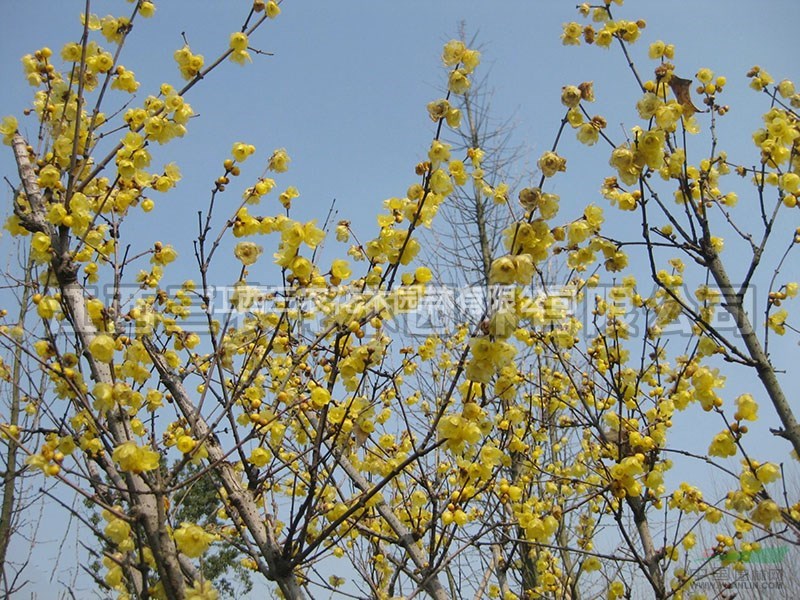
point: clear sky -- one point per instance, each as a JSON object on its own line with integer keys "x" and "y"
{"x": 346, "y": 88}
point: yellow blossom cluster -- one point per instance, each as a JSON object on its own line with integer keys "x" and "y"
{"x": 536, "y": 420}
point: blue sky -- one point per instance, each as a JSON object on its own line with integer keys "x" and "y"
{"x": 346, "y": 88}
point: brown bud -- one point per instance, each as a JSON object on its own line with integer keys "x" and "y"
{"x": 587, "y": 91}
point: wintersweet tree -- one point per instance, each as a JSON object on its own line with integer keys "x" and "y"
{"x": 527, "y": 448}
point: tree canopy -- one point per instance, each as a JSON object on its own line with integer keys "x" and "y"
{"x": 484, "y": 395}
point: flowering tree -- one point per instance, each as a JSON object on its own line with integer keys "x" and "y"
{"x": 522, "y": 449}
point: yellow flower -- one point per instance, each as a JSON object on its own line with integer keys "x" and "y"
{"x": 453, "y": 52}
{"x": 651, "y": 146}
{"x": 273, "y": 10}
{"x": 768, "y": 472}
{"x": 592, "y": 564}
{"x": 458, "y": 431}
{"x": 588, "y": 134}
{"x": 340, "y": 269}
{"x": 440, "y": 183}
{"x": 260, "y": 457}
{"x": 241, "y": 151}
{"x": 648, "y": 104}
{"x": 131, "y": 457}
{"x": 622, "y": 159}
{"x": 705, "y": 75}
{"x": 438, "y": 109}
{"x": 790, "y": 182}
{"x": 8, "y": 127}
{"x": 163, "y": 255}
{"x": 458, "y": 171}
{"x": 503, "y": 271}
{"x": 114, "y": 576}
{"x": 575, "y": 117}
{"x": 43, "y": 348}
{"x": 117, "y": 531}
{"x": 578, "y": 231}
{"x": 453, "y": 118}
{"x": 656, "y": 49}
{"x": 240, "y": 56}
{"x": 538, "y": 529}
{"x": 530, "y": 198}
{"x": 264, "y": 186}
{"x": 247, "y": 252}
{"x": 523, "y": 264}
{"x": 777, "y": 321}
{"x": 470, "y": 60}
{"x": 189, "y": 64}
{"x": 47, "y": 307}
{"x": 570, "y": 96}
{"x": 572, "y": 33}
{"x": 746, "y": 408}
{"x": 185, "y": 444}
{"x": 125, "y": 80}
{"x": 49, "y": 176}
{"x": 439, "y": 152}
{"x": 71, "y": 52}
{"x": 458, "y": 82}
{"x": 423, "y": 275}
{"x": 279, "y": 161}
{"x": 102, "y": 348}
{"x": 103, "y": 397}
{"x": 113, "y": 29}
{"x": 766, "y": 512}
{"x": 320, "y": 397}
{"x": 301, "y": 267}
{"x": 238, "y": 41}
{"x": 723, "y": 445}
{"x": 201, "y": 591}
{"x": 192, "y": 539}
{"x": 286, "y": 197}
{"x": 551, "y": 163}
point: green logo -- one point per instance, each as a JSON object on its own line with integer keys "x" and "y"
{"x": 762, "y": 556}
